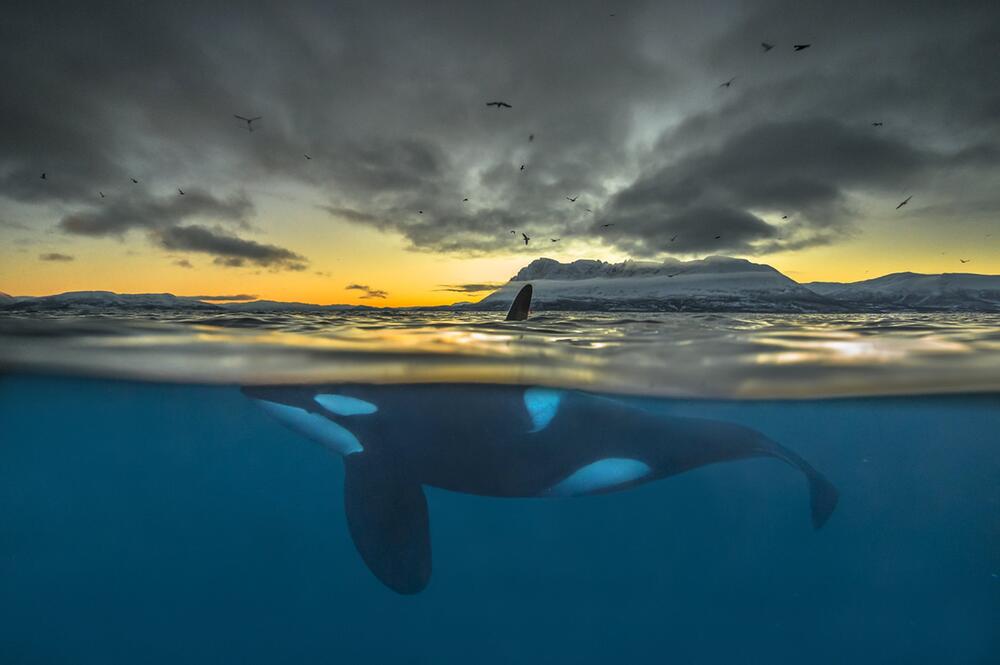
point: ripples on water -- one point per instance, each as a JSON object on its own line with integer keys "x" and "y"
{"x": 709, "y": 355}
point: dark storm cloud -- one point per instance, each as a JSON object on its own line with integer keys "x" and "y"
{"x": 367, "y": 290}
{"x": 229, "y": 250}
{"x": 55, "y": 256}
{"x": 388, "y": 100}
{"x": 468, "y": 288}
{"x": 119, "y": 215}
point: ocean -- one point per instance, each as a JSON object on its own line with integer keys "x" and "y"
{"x": 157, "y": 509}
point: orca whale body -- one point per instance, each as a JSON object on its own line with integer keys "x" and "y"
{"x": 504, "y": 441}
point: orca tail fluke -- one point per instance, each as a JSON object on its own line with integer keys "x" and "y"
{"x": 823, "y": 496}
{"x": 521, "y": 306}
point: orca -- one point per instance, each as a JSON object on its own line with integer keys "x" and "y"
{"x": 496, "y": 441}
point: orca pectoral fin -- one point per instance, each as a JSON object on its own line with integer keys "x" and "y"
{"x": 388, "y": 520}
{"x": 823, "y": 496}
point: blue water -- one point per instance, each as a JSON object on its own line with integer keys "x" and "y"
{"x": 154, "y": 523}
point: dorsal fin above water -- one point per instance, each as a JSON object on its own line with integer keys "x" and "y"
{"x": 521, "y": 306}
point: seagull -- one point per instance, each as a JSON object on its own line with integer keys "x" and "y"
{"x": 420, "y": 212}
{"x": 522, "y": 167}
{"x": 500, "y": 105}
{"x": 905, "y": 201}
{"x": 306, "y": 156}
{"x": 513, "y": 233}
{"x": 43, "y": 176}
{"x": 249, "y": 121}
{"x": 134, "y": 181}
{"x": 465, "y": 200}
{"x": 102, "y": 194}
{"x": 673, "y": 238}
{"x": 727, "y": 83}
{"x": 588, "y": 210}
{"x": 877, "y": 123}
{"x": 767, "y": 47}
{"x": 784, "y": 216}
{"x": 526, "y": 238}
{"x": 180, "y": 191}
{"x": 573, "y": 200}
{"x": 964, "y": 260}
{"x": 801, "y": 47}
{"x": 604, "y": 226}
{"x": 555, "y": 239}
{"x": 717, "y": 237}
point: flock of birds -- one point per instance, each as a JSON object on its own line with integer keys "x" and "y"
{"x": 500, "y": 105}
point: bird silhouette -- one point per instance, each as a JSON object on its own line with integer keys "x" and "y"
{"x": 877, "y": 123}
{"x": 522, "y": 167}
{"x": 555, "y": 239}
{"x": 526, "y": 238}
{"x": 464, "y": 200}
{"x": 784, "y": 216}
{"x": 102, "y": 194}
{"x": 588, "y": 210}
{"x": 249, "y": 121}
{"x": 500, "y": 105}
{"x": 306, "y": 156}
{"x": 904, "y": 202}
{"x": 43, "y": 177}
{"x": 420, "y": 212}
{"x": 531, "y": 137}
{"x": 673, "y": 238}
{"x": 801, "y": 47}
{"x": 965, "y": 260}
{"x": 573, "y": 200}
{"x": 513, "y": 233}
{"x": 728, "y": 83}
{"x": 604, "y": 226}
{"x": 134, "y": 181}
{"x": 766, "y": 47}
{"x": 718, "y": 237}
{"x": 180, "y": 191}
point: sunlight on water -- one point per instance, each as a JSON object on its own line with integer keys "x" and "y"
{"x": 708, "y": 355}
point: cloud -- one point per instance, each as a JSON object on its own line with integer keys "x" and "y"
{"x": 55, "y": 256}
{"x": 240, "y": 296}
{"x": 368, "y": 291}
{"x": 229, "y": 250}
{"x": 468, "y": 288}
{"x": 183, "y": 263}
{"x": 120, "y": 215}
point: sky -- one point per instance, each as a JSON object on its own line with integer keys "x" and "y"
{"x": 377, "y": 173}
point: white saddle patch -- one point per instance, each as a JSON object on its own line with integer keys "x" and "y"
{"x": 313, "y": 426}
{"x": 600, "y": 475}
{"x": 341, "y": 405}
{"x": 542, "y": 405}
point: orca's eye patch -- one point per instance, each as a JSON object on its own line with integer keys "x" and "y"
{"x": 341, "y": 405}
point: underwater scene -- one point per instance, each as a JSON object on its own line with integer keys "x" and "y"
{"x": 257, "y": 491}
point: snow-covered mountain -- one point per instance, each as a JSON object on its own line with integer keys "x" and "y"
{"x": 105, "y": 300}
{"x": 911, "y": 291}
{"x": 713, "y": 284}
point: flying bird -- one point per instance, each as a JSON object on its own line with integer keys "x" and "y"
{"x": 728, "y": 83}
{"x": 43, "y": 177}
{"x": 673, "y": 238}
{"x": 801, "y": 47}
{"x": 134, "y": 181}
{"x": 522, "y": 167}
{"x": 766, "y": 47}
{"x": 718, "y": 237}
{"x": 904, "y": 202}
{"x": 604, "y": 226}
{"x": 877, "y": 123}
{"x": 464, "y": 200}
{"x": 531, "y": 137}
{"x": 180, "y": 191}
{"x": 306, "y": 156}
{"x": 526, "y": 238}
{"x": 102, "y": 194}
{"x": 784, "y": 216}
{"x": 513, "y": 233}
{"x": 965, "y": 260}
{"x": 588, "y": 210}
{"x": 420, "y": 212}
{"x": 573, "y": 200}
{"x": 555, "y": 239}
{"x": 500, "y": 105}
{"x": 249, "y": 121}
